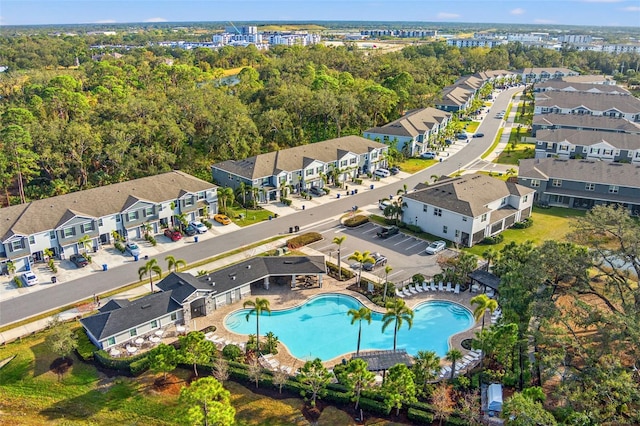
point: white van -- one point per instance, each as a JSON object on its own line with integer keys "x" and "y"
{"x": 382, "y": 173}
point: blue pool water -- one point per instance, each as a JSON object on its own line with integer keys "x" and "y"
{"x": 321, "y": 327}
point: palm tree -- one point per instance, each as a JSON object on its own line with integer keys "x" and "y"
{"x": 359, "y": 315}
{"x": 255, "y": 193}
{"x": 147, "y": 228}
{"x": 387, "y": 269}
{"x": 483, "y": 303}
{"x": 257, "y": 306}
{"x": 426, "y": 367}
{"x": 338, "y": 241}
{"x": 225, "y": 194}
{"x": 242, "y": 193}
{"x": 85, "y": 242}
{"x": 402, "y": 190}
{"x": 150, "y": 268}
{"x": 489, "y": 255}
{"x": 361, "y": 259}
{"x": 175, "y": 264}
{"x": 397, "y": 313}
{"x": 454, "y": 355}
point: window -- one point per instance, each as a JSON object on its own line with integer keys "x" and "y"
{"x": 117, "y": 218}
{"x": 353, "y": 161}
{"x": 483, "y": 218}
{"x": 526, "y": 197}
{"x": 590, "y": 186}
{"x": 32, "y": 239}
{"x": 188, "y": 202}
{"x": 154, "y": 324}
{"x": 131, "y": 216}
{"x": 133, "y": 332}
{"x": 613, "y": 189}
{"x": 69, "y": 232}
{"x": 457, "y": 233}
{"x": 174, "y": 316}
{"x": 111, "y": 341}
{"x": 564, "y": 148}
{"x": 556, "y": 183}
{"x": 504, "y": 201}
{"x": 319, "y": 170}
{"x": 445, "y": 228}
{"x": 535, "y": 183}
{"x": 86, "y": 227}
{"x": 201, "y": 195}
{"x": 464, "y": 218}
{"x": 52, "y": 235}
{"x": 17, "y": 245}
{"x": 308, "y": 172}
{"x": 424, "y": 208}
{"x": 100, "y": 222}
{"x": 437, "y": 212}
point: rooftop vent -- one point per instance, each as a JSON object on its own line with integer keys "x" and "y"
{"x": 208, "y": 278}
{"x": 233, "y": 278}
{"x": 248, "y": 266}
{"x": 145, "y": 306}
{"x": 213, "y": 284}
{"x": 288, "y": 262}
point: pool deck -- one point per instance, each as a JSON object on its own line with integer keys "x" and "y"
{"x": 283, "y": 297}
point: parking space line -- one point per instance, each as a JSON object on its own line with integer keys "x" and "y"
{"x": 402, "y": 241}
{"x": 371, "y": 230}
{"x": 325, "y": 247}
{"x": 396, "y": 273}
{"x": 416, "y": 244}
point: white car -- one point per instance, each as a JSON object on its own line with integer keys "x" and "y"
{"x": 200, "y": 227}
{"x": 383, "y": 204}
{"x": 382, "y": 173}
{"x": 435, "y": 247}
{"x": 29, "y": 278}
{"x": 428, "y": 155}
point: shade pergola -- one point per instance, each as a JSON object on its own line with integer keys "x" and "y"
{"x": 384, "y": 360}
{"x": 485, "y": 279}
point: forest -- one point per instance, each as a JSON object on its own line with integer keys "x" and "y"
{"x": 74, "y": 117}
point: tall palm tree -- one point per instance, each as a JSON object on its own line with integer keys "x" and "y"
{"x": 454, "y": 355}
{"x": 426, "y": 367}
{"x": 483, "y": 303}
{"x": 225, "y": 195}
{"x": 338, "y": 241}
{"x": 85, "y": 242}
{"x": 387, "y": 269}
{"x": 241, "y": 192}
{"x": 489, "y": 255}
{"x": 361, "y": 259}
{"x": 397, "y": 313}
{"x": 402, "y": 190}
{"x": 258, "y": 306}
{"x": 150, "y": 268}
{"x": 175, "y": 264}
{"x": 359, "y": 315}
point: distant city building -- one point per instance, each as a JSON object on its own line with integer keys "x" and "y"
{"x": 476, "y": 42}
{"x": 400, "y": 33}
{"x": 575, "y": 38}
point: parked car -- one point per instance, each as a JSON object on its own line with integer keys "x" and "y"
{"x": 380, "y": 260}
{"x": 430, "y": 155}
{"x": 29, "y": 278}
{"x": 172, "y": 234}
{"x": 394, "y": 170}
{"x": 79, "y": 260}
{"x": 132, "y": 248}
{"x": 317, "y": 191}
{"x": 448, "y": 142}
{"x": 478, "y": 135}
{"x": 382, "y": 173}
{"x": 190, "y": 231}
{"x": 388, "y": 231}
{"x": 200, "y": 227}
{"x": 382, "y": 204}
{"x": 436, "y": 247}
{"x": 461, "y": 136}
{"x": 220, "y": 218}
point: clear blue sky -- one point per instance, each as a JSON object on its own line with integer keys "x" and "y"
{"x": 556, "y": 12}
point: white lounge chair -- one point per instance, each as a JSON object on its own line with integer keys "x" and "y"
{"x": 412, "y": 289}
{"x": 419, "y": 288}
{"x": 399, "y": 293}
{"x": 425, "y": 286}
{"x": 432, "y": 286}
{"x": 407, "y": 292}
{"x": 457, "y": 289}
{"x": 449, "y": 289}
{"x": 440, "y": 285}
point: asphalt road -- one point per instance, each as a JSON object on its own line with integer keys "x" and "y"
{"x": 63, "y": 294}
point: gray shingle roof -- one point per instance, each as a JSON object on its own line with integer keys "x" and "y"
{"x": 549, "y": 70}
{"x": 49, "y": 213}
{"x": 412, "y": 124}
{"x": 558, "y": 84}
{"x": 454, "y": 95}
{"x": 604, "y": 172}
{"x": 586, "y": 78}
{"x": 292, "y": 159}
{"x": 133, "y": 314}
{"x": 468, "y": 195}
{"x": 587, "y": 122}
{"x": 592, "y": 101}
{"x": 590, "y": 137}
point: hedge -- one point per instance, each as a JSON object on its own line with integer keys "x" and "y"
{"x": 523, "y": 224}
{"x": 376, "y": 407}
{"x": 121, "y": 364}
{"x": 419, "y": 416}
{"x": 285, "y": 201}
{"x": 303, "y": 240}
{"x": 354, "y": 221}
{"x": 337, "y": 397}
{"x": 85, "y": 348}
{"x": 346, "y": 273}
{"x": 139, "y": 366}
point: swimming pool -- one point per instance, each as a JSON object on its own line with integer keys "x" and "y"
{"x": 321, "y": 327}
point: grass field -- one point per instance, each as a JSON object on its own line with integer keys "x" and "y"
{"x": 249, "y": 216}
{"x": 413, "y": 165}
{"x": 522, "y": 150}
{"x": 548, "y": 224}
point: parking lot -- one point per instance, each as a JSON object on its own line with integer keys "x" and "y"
{"x": 405, "y": 253}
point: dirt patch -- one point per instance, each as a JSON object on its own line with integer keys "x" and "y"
{"x": 170, "y": 385}
{"x": 60, "y": 366}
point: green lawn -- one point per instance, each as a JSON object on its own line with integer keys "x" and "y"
{"x": 548, "y": 224}
{"x": 472, "y": 126}
{"x": 413, "y": 165}
{"x": 245, "y": 217}
{"x": 522, "y": 150}
{"x": 495, "y": 143}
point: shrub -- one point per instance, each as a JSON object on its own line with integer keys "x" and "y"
{"x": 285, "y": 201}
{"x": 303, "y": 240}
{"x": 119, "y": 246}
{"x": 139, "y": 366}
{"x": 123, "y": 365}
{"x": 153, "y": 241}
{"x": 84, "y": 348}
{"x": 326, "y": 190}
{"x": 17, "y": 281}
{"x": 333, "y": 270}
{"x": 354, "y": 221}
{"x": 375, "y": 407}
{"x": 523, "y": 224}
{"x": 357, "y": 181}
{"x": 337, "y": 397}
{"x": 414, "y": 228}
{"x": 419, "y": 416}
{"x": 232, "y": 353}
{"x": 496, "y": 239}
{"x": 208, "y": 224}
{"x": 51, "y": 264}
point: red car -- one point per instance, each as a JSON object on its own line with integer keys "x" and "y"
{"x": 174, "y": 235}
